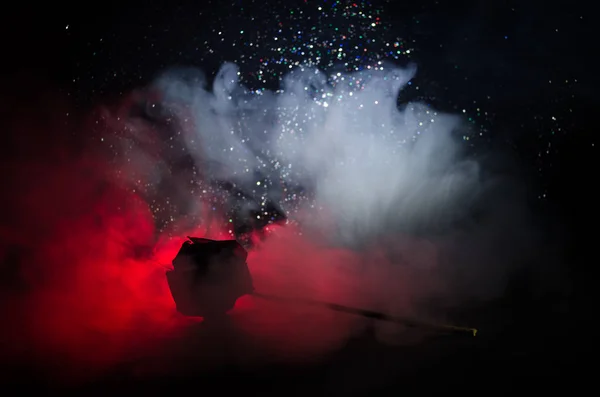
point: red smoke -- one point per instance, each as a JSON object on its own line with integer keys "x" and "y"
{"x": 89, "y": 282}
{"x": 84, "y": 285}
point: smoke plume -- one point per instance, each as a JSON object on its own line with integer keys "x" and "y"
{"x": 385, "y": 211}
{"x": 370, "y": 171}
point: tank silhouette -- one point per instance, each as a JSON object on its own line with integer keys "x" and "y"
{"x": 209, "y": 276}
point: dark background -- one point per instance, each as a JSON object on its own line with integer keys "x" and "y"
{"x": 530, "y": 65}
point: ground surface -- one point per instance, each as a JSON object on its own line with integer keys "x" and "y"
{"x": 514, "y": 352}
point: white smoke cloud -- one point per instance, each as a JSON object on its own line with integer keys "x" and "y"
{"x": 424, "y": 221}
{"x": 368, "y": 163}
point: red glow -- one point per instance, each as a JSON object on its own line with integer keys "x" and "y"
{"x": 85, "y": 282}
{"x": 92, "y": 294}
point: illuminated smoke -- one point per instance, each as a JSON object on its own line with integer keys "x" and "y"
{"x": 386, "y": 213}
{"x": 367, "y": 164}
{"x": 353, "y": 169}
